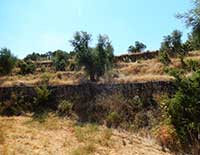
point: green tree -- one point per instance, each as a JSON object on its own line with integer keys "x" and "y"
{"x": 172, "y": 44}
{"x": 60, "y": 60}
{"x": 96, "y": 61}
{"x": 33, "y": 57}
{"x": 7, "y": 61}
{"x": 139, "y": 47}
{"x": 192, "y": 19}
{"x": 105, "y": 54}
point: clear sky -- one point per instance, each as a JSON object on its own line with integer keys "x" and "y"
{"x": 28, "y": 26}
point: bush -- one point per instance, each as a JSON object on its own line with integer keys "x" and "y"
{"x": 113, "y": 119}
{"x": 60, "y": 60}
{"x": 167, "y": 137}
{"x": 7, "y": 61}
{"x": 164, "y": 58}
{"x": 115, "y": 109}
{"x": 16, "y": 105}
{"x": 141, "y": 120}
{"x": 45, "y": 78}
{"x": 42, "y": 95}
{"x": 184, "y": 108}
{"x": 27, "y": 67}
{"x": 192, "y": 65}
{"x": 65, "y": 108}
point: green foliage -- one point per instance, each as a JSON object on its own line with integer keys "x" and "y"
{"x": 96, "y": 61}
{"x": 113, "y": 119}
{"x": 32, "y": 57}
{"x": 192, "y": 19}
{"x": 42, "y": 94}
{"x": 172, "y": 44}
{"x": 7, "y": 61}
{"x": 38, "y": 57}
{"x": 45, "y": 79}
{"x": 65, "y": 108}
{"x": 164, "y": 58}
{"x": 60, "y": 60}
{"x": 27, "y": 67}
{"x": 41, "y": 103}
{"x": 192, "y": 65}
{"x": 177, "y": 73}
{"x": 139, "y": 47}
{"x": 184, "y": 108}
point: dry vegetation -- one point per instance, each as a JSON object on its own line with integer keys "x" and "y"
{"x": 142, "y": 70}
{"x": 24, "y": 136}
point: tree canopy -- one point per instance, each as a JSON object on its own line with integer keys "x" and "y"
{"x": 192, "y": 19}
{"x": 96, "y": 61}
{"x": 139, "y": 47}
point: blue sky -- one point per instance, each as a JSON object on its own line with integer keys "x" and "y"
{"x": 46, "y": 25}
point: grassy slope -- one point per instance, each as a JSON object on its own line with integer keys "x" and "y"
{"x": 22, "y": 135}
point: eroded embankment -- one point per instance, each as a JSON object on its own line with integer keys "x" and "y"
{"x": 89, "y": 91}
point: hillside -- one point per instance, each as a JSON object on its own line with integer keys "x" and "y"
{"x": 24, "y": 136}
{"x": 123, "y": 72}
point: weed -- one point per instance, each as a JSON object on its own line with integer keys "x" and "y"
{"x": 65, "y": 108}
{"x": 113, "y": 119}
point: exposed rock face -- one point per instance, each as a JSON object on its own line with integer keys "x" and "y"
{"x": 136, "y": 56}
{"x": 89, "y": 91}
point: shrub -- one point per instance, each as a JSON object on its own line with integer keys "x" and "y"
{"x": 16, "y": 105}
{"x": 7, "y": 61}
{"x": 167, "y": 137}
{"x": 114, "y": 108}
{"x": 27, "y": 67}
{"x": 65, "y": 108}
{"x": 177, "y": 73}
{"x": 42, "y": 95}
{"x": 45, "y": 78}
{"x": 184, "y": 108}
{"x": 164, "y": 58}
{"x": 41, "y": 101}
{"x": 113, "y": 119}
{"x": 192, "y": 65}
{"x": 141, "y": 120}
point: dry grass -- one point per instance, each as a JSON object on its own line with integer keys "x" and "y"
{"x": 23, "y": 136}
{"x": 142, "y": 70}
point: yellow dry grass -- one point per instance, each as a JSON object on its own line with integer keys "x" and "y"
{"x": 56, "y": 136}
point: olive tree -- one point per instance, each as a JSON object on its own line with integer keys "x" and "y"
{"x": 192, "y": 19}
{"x": 139, "y": 47}
{"x": 96, "y": 61}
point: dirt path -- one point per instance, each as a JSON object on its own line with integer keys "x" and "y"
{"x": 22, "y": 136}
